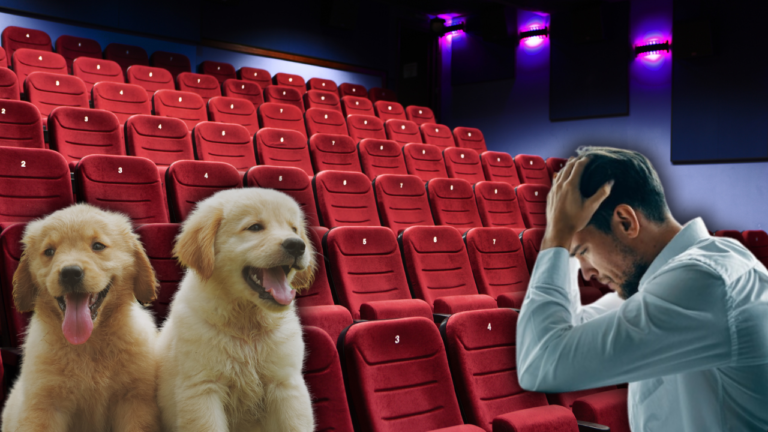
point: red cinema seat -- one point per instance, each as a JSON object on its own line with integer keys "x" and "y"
{"x": 333, "y": 319}
{"x": 424, "y": 161}
{"x": 498, "y": 263}
{"x": 218, "y": 70}
{"x": 532, "y": 199}
{"x": 35, "y": 183}
{"x": 402, "y": 201}
{"x": 186, "y": 106}
{"x": 289, "y": 180}
{"x": 438, "y": 270}
{"x": 376, "y": 94}
{"x": 333, "y": 152}
{"x": 174, "y": 63}
{"x": 189, "y": 182}
{"x": 244, "y": 90}
{"x": 379, "y": 157}
{"x": 282, "y": 116}
{"x": 150, "y": 79}
{"x": 757, "y": 243}
{"x": 27, "y": 61}
{"x": 158, "y": 240}
{"x": 20, "y": 125}
{"x": 500, "y": 167}
{"x": 78, "y": 132}
{"x": 349, "y": 89}
{"x": 353, "y": 105}
{"x": 532, "y": 169}
{"x": 453, "y": 203}
{"x": 420, "y": 115}
{"x": 124, "y": 100}
{"x": 325, "y": 121}
{"x": 92, "y": 70}
{"x": 125, "y": 184}
{"x": 284, "y": 147}
{"x": 497, "y": 205}
{"x": 9, "y": 85}
{"x": 162, "y": 140}
{"x": 72, "y": 47}
{"x": 464, "y": 164}
{"x": 3, "y": 58}
{"x": 345, "y": 199}
{"x": 204, "y": 85}
{"x": 361, "y": 127}
{"x": 284, "y": 95}
{"x": 319, "y": 294}
{"x": 259, "y": 76}
{"x": 403, "y": 131}
{"x": 47, "y": 91}
{"x": 234, "y": 110}
{"x": 387, "y": 110}
{"x": 322, "y": 374}
{"x": 19, "y": 37}
{"x": 224, "y": 142}
{"x": 322, "y": 99}
{"x": 531, "y": 241}
{"x": 466, "y": 137}
{"x": 15, "y": 325}
{"x": 555, "y": 165}
{"x": 126, "y": 55}
{"x": 322, "y": 85}
{"x": 437, "y": 134}
{"x": 734, "y": 234}
{"x": 368, "y": 275}
{"x": 398, "y": 377}
{"x": 295, "y": 82}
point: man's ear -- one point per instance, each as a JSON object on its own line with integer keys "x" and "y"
{"x": 626, "y": 220}
{"x": 303, "y": 279}
{"x": 145, "y": 283}
{"x": 24, "y": 288}
{"x": 195, "y": 245}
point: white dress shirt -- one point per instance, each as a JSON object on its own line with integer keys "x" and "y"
{"x": 692, "y": 342}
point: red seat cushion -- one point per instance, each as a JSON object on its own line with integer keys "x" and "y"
{"x": 462, "y": 303}
{"x": 607, "y": 408}
{"x": 540, "y": 419}
{"x": 333, "y": 319}
{"x": 289, "y": 180}
{"x": 394, "y": 309}
{"x": 402, "y": 201}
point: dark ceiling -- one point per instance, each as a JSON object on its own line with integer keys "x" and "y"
{"x": 468, "y": 7}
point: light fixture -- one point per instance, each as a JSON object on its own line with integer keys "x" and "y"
{"x": 438, "y": 26}
{"x": 534, "y": 31}
{"x": 652, "y": 48}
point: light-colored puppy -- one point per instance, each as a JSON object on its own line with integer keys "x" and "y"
{"x": 231, "y": 349}
{"x": 89, "y": 352}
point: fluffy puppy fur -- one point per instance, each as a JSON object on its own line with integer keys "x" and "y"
{"x": 88, "y": 356}
{"x": 231, "y": 350}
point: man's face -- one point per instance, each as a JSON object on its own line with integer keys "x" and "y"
{"x": 613, "y": 263}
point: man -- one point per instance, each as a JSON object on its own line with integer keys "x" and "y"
{"x": 691, "y": 337}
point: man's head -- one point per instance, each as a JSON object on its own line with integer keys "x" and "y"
{"x": 630, "y": 227}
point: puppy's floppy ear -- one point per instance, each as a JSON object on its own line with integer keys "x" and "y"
{"x": 145, "y": 283}
{"x": 303, "y": 279}
{"x": 195, "y": 245}
{"x": 24, "y": 288}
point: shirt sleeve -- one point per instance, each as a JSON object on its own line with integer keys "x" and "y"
{"x": 676, "y": 323}
{"x": 583, "y": 313}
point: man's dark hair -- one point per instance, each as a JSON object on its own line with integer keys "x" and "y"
{"x": 636, "y": 184}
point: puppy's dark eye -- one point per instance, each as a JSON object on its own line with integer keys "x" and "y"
{"x": 295, "y": 230}
{"x": 98, "y": 246}
{"x": 49, "y": 252}
{"x": 255, "y": 227}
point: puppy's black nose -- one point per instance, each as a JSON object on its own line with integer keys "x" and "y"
{"x": 294, "y": 246}
{"x": 71, "y": 275}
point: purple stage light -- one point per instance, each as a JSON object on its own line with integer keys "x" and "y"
{"x": 534, "y": 35}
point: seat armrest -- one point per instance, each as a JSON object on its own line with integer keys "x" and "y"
{"x": 460, "y": 303}
{"x": 392, "y": 309}
{"x": 585, "y": 426}
{"x": 439, "y": 318}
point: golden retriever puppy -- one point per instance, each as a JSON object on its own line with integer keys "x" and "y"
{"x": 231, "y": 350}
{"x": 89, "y": 362}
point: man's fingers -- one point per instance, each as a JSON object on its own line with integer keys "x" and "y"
{"x": 564, "y": 173}
{"x": 595, "y": 200}
{"x": 578, "y": 168}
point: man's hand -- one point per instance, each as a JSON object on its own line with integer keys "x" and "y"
{"x": 567, "y": 210}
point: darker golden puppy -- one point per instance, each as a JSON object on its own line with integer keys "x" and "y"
{"x": 89, "y": 363}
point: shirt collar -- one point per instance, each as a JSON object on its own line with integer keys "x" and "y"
{"x": 691, "y": 233}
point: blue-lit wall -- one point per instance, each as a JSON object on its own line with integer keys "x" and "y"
{"x": 514, "y": 116}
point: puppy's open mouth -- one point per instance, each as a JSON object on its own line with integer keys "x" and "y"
{"x": 270, "y": 284}
{"x": 80, "y": 311}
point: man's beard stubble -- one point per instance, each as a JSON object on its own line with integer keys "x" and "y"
{"x": 633, "y": 274}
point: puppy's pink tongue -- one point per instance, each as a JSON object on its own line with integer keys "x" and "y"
{"x": 276, "y": 284}
{"x": 78, "y": 325}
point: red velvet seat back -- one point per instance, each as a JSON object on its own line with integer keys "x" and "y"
{"x": 345, "y": 199}
{"x": 366, "y": 266}
{"x": 174, "y": 63}
{"x": 243, "y": 89}
{"x": 92, "y": 71}
{"x": 531, "y": 241}
{"x": 163, "y": 140}
{"x": 289, "y": 180}
{"x": 150, "y": 79}
{"x": 220, "y": 71}
{"x": 555, "y": 164}
{"x": 353, "y": 105}
{"x": 322, "y": 99}
{"x": 281, "y": 116}
{"x": 322, "y": 84}
{"x": 532, "y": 169}
{"x": 284, "y": 147}
{"x": 532, "y": 199}
{"x": 124, "y": 100}
{"x": 349, "y": 89}
{"x": 47, "y": 91}
{"x": 234, "y": 110}
{"x": 126, "y": 55}
{"x": 72, "y": 47}
{"x": 497, "y": 205}
{"x": 379, "y": 157}
{"x": 376, "y": 94}
{"x": 259, "y": 76}
{"x": 27, "y": 61}
{"x": 295, "y": 82}
{"x": 284, "y": 95}
{"x": 398, "y": 376}
{"x": 206, "y": 86}
{"x": 387, "y": 110}
{"x": 466, "y": 137}
{"x": 189, "y": 182}
{"x": 498, "y": 261}
{"x": 224, "y": 142}
{"x": 500, "y": 167}
{"x": 3, "y": 58}
{"x": 424, "y": 161}
{"x": 420, "y": 114}
{"x": 453, "y": 203}
{"x": 9, "y": 84}
{"x": 757, "y": 242}
{"x": 437, "y": 134}
{"x": 158, "y": 240}
{"x": 78, "y": 132}
{"x": 126, "y": 184}
{"x": 319, "y": 294}
{"x": 20, "y": 124}
{"x": 361, "y": 127}
{"x": 186, "y": 106}
{"x": 402, "y": 201}
{"x": 19, "y": 37}
{"x": 464, "y": 164}
{"x": 403, "y": 131}
{"x": 15, "y": 325}
{"x": 334, "y": 152}
{"x": 325, "y": 121}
